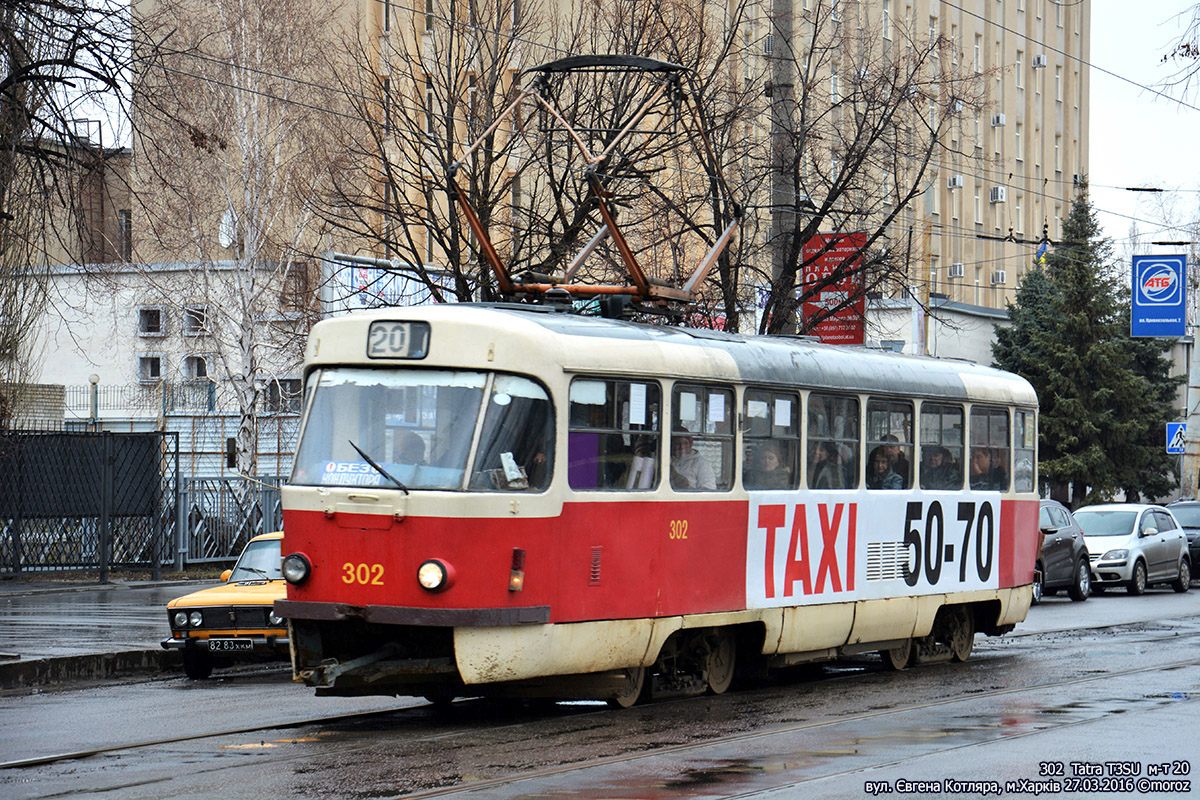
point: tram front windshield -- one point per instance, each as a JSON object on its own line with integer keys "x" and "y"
{"x": 417, "y": 429}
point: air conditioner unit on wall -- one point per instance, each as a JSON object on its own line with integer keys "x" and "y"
{"x": 999, "y": 194}
{"x": 954, "y": 182}
{"x": 1039, "y": 61}
{"x": 997, "y": 120}
{"x": 955, "y": 271}
{"x": 999, "y": 276}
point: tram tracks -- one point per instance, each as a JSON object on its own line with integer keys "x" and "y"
{"x": 566, "y": 769}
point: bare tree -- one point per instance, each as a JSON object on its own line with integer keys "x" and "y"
{"x": 233, "y": 146}
{"x": 858, "y": 116}
{"x": 59, "y": 56}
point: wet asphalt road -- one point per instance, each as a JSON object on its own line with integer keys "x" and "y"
{"x": 1113, "y": 679}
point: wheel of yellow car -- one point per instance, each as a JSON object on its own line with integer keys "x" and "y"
{"x": 197, "y": 664}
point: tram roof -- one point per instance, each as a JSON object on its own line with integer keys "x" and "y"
{"x": 764, "y": 360}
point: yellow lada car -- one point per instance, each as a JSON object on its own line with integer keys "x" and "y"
{"x": 236, "y": 620}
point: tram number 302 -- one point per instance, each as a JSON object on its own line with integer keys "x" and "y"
{"x": 931, "y": 550}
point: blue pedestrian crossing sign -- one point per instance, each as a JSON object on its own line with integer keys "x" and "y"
{"x": 1175, "y": 434}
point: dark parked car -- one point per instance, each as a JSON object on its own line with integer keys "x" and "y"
{"x": 1187, "y": 513}
{"x": 1064, "y": 562}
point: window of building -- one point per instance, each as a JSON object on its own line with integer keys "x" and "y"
{"x": 195, "y": 320}
{"x": 889, "y": 444}
{"x": 429, "y": 106}
{"x": 151, "y": 367}
{"x": 835, "y": 80}
{"x": 1020, "y": 69}
{"x": 833, "y": 444}
{"x": 1058, "y": 84}
{"x": 701, "y": 438}
{"x": 978, "y": 205}
{"x": 1020, "y": 145}
{"x": 429, "y": 14}
{"x": 387, "y": 104}
{"x": 941, "y": 446}
{"x": 297, "y": 294}
{"x": 1058, "y": 153}
{"x": 933, "y": 34}
{"x": 284, "y": 396}
{"x": 978, "y": 59}
{"x": 1020, "y": 219}
{"x": 887, "y": 19}
{"x": 613, "y": 438}
{"x": 150, "y": 321}
{"x": 195, "y": 367}
{"x": 953, "y": 44}
{"x": 989, "y": 449}
{"x": 772, "y": 440}
{"x": 387, "y": 15}
{"x": 125, "y": 235}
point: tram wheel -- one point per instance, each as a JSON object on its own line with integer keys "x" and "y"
{"x": 962, "y": 634}
{"x": 719, "y": 662}
{"x": 635, "y": 678}
{"x": 899, "y": 657}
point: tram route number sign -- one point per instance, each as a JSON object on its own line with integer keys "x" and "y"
{"x": 1176, "y": 431}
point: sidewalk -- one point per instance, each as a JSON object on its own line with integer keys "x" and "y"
{"x": 56, "y": 632}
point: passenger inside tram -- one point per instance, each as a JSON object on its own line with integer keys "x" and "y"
{"x": 767, "y": 469}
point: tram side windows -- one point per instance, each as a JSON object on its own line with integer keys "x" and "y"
{"x": 889, "y": 443}
{"x": 613, "y": 435}
{"x": 989, "y": 449}
{"x": 702, "y": 438}
{"x": 941, "y": 446}
{"x": 1024, "y": 452}
{"x": 516, "y": 445}
{"x": 772, "y": 440}
{"x": 833, "y": 445}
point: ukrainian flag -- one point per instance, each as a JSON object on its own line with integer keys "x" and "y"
{"x": 1040, "y": 256}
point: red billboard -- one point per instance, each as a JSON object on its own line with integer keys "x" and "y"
{"x": 844, "y": 326}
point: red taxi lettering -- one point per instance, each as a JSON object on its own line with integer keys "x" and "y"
{"x": 797, "y": 568}
{"x": 770, "y": 519}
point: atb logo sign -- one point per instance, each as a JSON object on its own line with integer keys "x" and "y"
{"x": 1159, "y": 284}
{"x": 1158, "y": 296}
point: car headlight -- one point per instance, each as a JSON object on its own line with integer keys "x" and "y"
{"x": 296, "y": 568}
{"x": 275, "y": 620}
{"x": 195, "y": 619}
{"x": 180, "y": 620}
{"x": 1115, "y": 555}
{"x": 434, "y": 575}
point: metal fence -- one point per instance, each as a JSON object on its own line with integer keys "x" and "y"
{"x": 87, "y": 500}
{"x": 219, "y": 515}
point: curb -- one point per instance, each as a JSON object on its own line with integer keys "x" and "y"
{"x": 39, "y": 672}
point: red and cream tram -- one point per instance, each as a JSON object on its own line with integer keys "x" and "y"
{"x": 504, "y": 500}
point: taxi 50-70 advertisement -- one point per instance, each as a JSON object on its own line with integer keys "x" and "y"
{"x": 1159, "y": 296}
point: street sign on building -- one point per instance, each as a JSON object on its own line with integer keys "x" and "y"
{"x": 1175, "y": 434}
{"x": 1159, "y": 296}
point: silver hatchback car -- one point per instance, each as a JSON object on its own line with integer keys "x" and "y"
{"x": 1136, "y": 545}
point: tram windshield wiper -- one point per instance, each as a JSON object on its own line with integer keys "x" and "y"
{"x": 378, "y": 468}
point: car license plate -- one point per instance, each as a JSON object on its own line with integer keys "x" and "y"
{"x": 229, "y": 645}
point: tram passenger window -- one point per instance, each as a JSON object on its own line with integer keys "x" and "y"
{"x": 889, "y": 431}
{"x": 989, "y": 449}
{"x": 1024, "y": 452}
{"x": 516, "y": 446}
{"x": 613, "y": 438}
{"x": 701, "y": 438}
{"x": 772, "y": 440}
{"x": 941, "y": 446}
{"x": 833, "y": 444}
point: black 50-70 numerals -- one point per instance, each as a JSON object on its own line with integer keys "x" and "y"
{"x": 930, "y": 551}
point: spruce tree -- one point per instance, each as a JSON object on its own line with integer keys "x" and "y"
{"x": 1102, "y": 394}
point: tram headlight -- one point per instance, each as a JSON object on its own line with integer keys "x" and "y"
{"x": 296, "y": 568}
{"x": 434, "y": 575}
{"x": 196, "y": 619}
{"x": 180, "y": 619}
